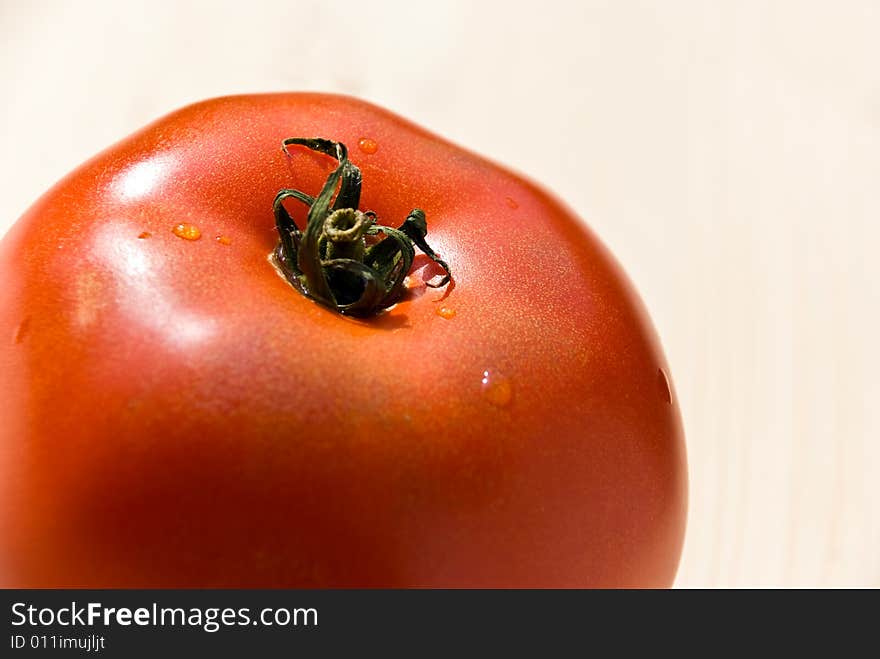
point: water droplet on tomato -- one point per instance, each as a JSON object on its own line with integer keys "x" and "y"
{"x": 368, "y": 146}
{"x": 496, "y": 388}
{"x": 187, "y": 231}
{"x": 145, "y": 234}
{"x": 224, "y": 240}
{"x": 663, "y": 386}
{"x": 511, "y": 202}
{"x": 446, "y": 312}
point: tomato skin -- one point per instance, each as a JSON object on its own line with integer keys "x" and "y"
{"x": 174, "y": 414}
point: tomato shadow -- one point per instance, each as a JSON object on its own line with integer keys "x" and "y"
{"x": 388, "y": 321}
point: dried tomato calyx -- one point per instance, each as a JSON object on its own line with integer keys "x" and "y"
{"x": 330, "y": 261}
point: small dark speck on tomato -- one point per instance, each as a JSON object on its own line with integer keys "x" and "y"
{"x": 22, "y": 330}
{"x": 143, "y": 235}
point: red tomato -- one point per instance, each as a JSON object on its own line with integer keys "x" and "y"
{"x": 175, "y": 413}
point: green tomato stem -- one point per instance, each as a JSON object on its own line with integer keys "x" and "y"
{"x": 330, "y": 261}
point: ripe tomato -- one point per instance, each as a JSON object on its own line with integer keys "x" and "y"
{"x": 175, "y": 413}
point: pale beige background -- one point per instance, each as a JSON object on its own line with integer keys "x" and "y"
{"x": 728, "y": 152}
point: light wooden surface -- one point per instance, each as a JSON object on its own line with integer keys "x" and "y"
{"x": 728, "y": 152}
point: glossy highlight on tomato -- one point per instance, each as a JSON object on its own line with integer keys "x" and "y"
{"x": 174, "y": 413}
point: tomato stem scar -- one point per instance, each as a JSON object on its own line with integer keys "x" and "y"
{"x": 330, "y": 261}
